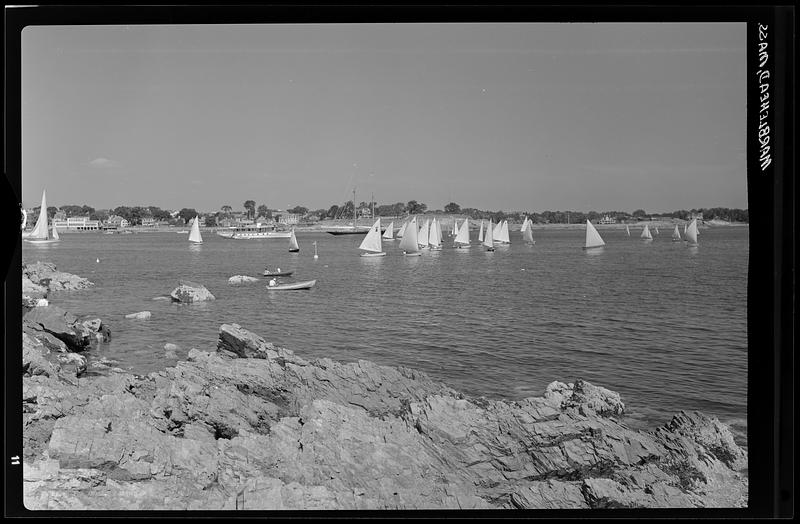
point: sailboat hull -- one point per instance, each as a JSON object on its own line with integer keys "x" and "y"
{"x": 41, "y": 241}
{"x": 294, "y": 250}
{"x": 592, "y": 247}
{"x": 382, "y": 254}
{"x": 415, "y": 254}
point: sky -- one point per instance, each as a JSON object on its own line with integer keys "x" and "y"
{"x": 519, "y": 116}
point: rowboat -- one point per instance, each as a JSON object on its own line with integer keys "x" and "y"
{"x": 289, "y": 287}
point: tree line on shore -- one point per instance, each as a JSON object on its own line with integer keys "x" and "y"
{"x": 135, "y": 214}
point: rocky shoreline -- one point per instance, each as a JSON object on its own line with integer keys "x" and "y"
{"x": 248, "y": 425}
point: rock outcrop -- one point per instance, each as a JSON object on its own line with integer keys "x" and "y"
{"x": 253, "y": 426}
{"x": 46, "y": 275}
{"x": 188, "y": 292}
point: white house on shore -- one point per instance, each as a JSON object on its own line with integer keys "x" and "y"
{"x": 77, "y": 223}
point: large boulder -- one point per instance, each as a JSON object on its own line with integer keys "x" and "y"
{"x": 188, "y": 292}
{"x": 60, "y": 324}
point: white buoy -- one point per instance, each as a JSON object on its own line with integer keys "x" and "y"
{"x": 98, "y": 260}
{"x": 315, "y": 250}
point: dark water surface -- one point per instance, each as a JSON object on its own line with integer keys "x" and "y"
{"x": 662, "y": 323}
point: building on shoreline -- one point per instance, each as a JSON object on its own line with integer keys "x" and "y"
{"x": 77, "y": 223}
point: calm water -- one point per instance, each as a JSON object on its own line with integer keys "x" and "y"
{"x": 661, "y": 323}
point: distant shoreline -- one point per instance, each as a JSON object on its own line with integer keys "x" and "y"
{"x": 475, "y": 224}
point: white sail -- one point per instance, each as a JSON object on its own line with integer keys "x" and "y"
{"x": 628, "y": 230}
{"x": 372, "y": 242}
{"x": 463, "y": 233}
{"x": 676, "y": 234}
{"x": 439, "y": 230}
{"x": 55, "y": 232}
{"x": 480, "y": 233}
{"x": 646, "y": 233}
{"x": 422, "y": 235}
{"x": 496, "y": 231}
{"x": 504, "y": 238}
{"x": 488, "y": 238}
{"x": 525, "y": 225}
{"x": 657, "y": 233}
{"x": 434, "y": 238}
{"x": 194, "y": 236}
{"x": 527, "y": 235}
{"x": 40, "y": 229}
{"x": 293, "y": 245}
{"x": 454, "y": 232}
{"x": 684, "y": 229}
{"x": 389, "y": 233}
{"x": 691, "y": 232}
{"x": 593, "y": 238}
{"x": 409, "y": 242}
{"x": 402, "y": 230}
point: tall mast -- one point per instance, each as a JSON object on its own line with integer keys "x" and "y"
{"x": 373, "y": 205}
{"x": 354, "y": 207}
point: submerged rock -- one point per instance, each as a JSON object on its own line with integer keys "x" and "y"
{"x": 253, "y": 426}
{"x": 241, "y": 279}
{"x": 188, "y": 292}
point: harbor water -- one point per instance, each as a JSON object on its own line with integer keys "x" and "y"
{"x": 662, "y": 323}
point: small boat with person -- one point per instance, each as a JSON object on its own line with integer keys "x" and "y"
{"x": 274, "y": 286}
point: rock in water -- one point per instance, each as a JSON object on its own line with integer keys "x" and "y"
{"x": 64, "y": 326}
{"x": 141, "y": 315}
{"x": 188, "y": 292}
{"x": 241, "y": 279}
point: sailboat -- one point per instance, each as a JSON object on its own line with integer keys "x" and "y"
{"x": 353, "y": 229}
{"x": 194, "y": 236}
{"x": 454, "y": 232}
{"x": 372, "y": 242}
{"x": 42, "y": 234}
{"x": 628, "y": 230}
{"x": 504, "y": 238}
{"x": 409, "y": 242}
{"x": 462, "y": 238}
{"x": 422, "y": 234}
{"x": 676, "y": 235}
{"x": 691, "y": 233}
{"x": 315, "y": 250}
{"x": 496, "y": 231}
{"x": 593, "y": 238}
{"x": 488, "y": 239}
{"x": 389, "y": 233}
{"x": 402, "y": 230}
{"x": 657, "y": 233}
{"x": 439, "y": 230}
{"x": 480, "y": 232}
{"x": 435, "y": 236}
{"x": 646, "y": 233}
{"x": 293, "y": 246}
{"x": 527, "y": 232}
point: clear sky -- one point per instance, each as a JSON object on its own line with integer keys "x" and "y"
{"x": 493, "y": 116}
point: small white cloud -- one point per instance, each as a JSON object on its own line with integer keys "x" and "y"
{"x": 104, "y": 163}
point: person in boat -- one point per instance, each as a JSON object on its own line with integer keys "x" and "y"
{"x": 272, "y": 282}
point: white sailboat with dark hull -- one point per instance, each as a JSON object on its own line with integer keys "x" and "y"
{"x": 294, "y": 247}
{"x": 409, "y": 243}
{"x": 480, "y": 232}
{"x": 422, "y": 235}
{"x": 372, "y": 242}
{"x": 462, "y": 238}
{"x": 488, "y": 238}
{"x": 42, "y": 233}
{"x": 593, "y": 238}
{"x": 194, "y": 235}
